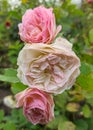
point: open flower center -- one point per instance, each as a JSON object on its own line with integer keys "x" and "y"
{"x": 48, "y": 70}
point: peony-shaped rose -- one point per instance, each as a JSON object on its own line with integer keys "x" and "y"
{"x": 38, "y": 106}
{"x": 51, "y": 68}
{"x": 38, "y": 25}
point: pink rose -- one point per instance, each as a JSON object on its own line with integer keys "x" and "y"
{"x": 38, "y": 106}
{"x": 38, "y": 25}
{"x": 89, "y": 1}
{"x": 52, "y": 68}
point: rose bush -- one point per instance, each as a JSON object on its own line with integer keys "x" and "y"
{"x": 51, "y": 68}
{"x": 38, "y": 25}
{"x": 38, "y": 106}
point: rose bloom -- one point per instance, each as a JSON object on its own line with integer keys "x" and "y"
{"x": 89, "y": 1}
{"x": 51, "y": 68}
{"x": 38, "y": 25}
{"x": 38, "y": 106}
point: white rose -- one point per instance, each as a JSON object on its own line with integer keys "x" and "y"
{"x": 51, "y": 68}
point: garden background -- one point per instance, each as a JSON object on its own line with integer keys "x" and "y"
{"x": 74, "y": 107}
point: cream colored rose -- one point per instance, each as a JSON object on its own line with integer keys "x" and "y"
{"x": 51, "y": 68}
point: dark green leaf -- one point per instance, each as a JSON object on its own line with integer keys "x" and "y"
{"x": 81, "y": 125}
{"x": 90, "y": 123}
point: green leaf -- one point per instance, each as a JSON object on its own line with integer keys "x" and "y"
{"x": 66, "y": 125}
{"x": 90, "y": 100}
{"x": 18, "y": 87}
{"x": 10, "y": 75}
{"x": 81, "y": 125}
{"x": 10, "y": 72}
{"x": 61, "y": 99}
{"x": 85, "y": 68}
{"x": 9, "y": 79}
{"x": 86, "y": 111}
{"x": 87, "y": 94}
{"x": 85, "y": 80}
{"x": 91, "y": 35}
{"x": 9, "y": 126}
{"x": 1, "y": 115}
{"x": 54, "y": 124}
{"x": 87, "y": 57}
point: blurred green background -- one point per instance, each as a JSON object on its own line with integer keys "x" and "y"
{"x": 74, "y": 107}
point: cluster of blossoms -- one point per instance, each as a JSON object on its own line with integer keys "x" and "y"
{"x": 46, "y": 66}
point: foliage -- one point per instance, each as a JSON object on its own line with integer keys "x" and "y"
{"x": 73, "y": 108}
